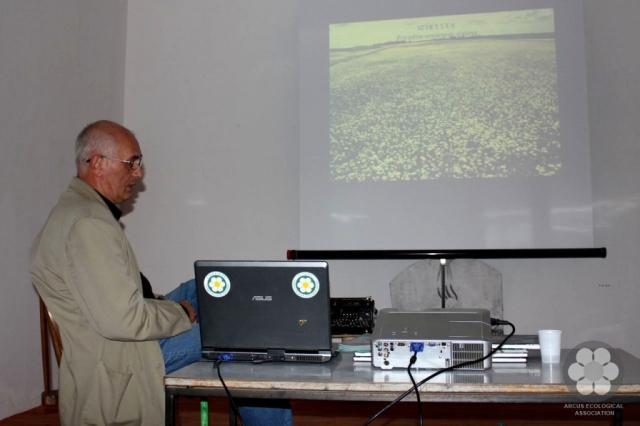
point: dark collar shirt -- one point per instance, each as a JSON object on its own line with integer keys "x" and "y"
{"x": 147, "y": 291}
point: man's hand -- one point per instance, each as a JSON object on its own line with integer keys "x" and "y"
{"x": 190, "y": 310}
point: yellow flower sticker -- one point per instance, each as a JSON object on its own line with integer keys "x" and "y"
{"x": 217, "y": 284}
{"x": 305, "y": 285}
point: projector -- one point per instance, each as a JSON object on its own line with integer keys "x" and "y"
{"x": 441, "y": 338}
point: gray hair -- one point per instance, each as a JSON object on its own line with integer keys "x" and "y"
{"x": 97, "y": 138}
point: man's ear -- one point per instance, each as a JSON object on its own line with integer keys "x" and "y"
{"x": 95, "y": 165}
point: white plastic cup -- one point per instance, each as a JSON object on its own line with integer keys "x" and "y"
{"x": 550, "y": 345}
{"x": 551, "y": 373}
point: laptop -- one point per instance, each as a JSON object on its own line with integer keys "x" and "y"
{"x": 263, "y": 311}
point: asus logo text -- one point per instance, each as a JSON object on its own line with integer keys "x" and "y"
{"x": 262, "y": 298}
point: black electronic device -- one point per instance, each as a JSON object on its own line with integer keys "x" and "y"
{"x": 263, "y": 311}
{"x": 352, "y": 315}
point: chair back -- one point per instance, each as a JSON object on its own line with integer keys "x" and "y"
{"x": 51, "y": 328}
{"x": 469, "y": 283}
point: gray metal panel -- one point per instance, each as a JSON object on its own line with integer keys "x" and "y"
{"x": 432, "y": 324}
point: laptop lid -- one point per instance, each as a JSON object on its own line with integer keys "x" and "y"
{"x": 264, "y": 310}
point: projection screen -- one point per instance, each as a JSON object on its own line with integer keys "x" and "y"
{"x": 445, "y": 125}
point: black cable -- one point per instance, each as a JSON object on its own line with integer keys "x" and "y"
{"x": 412, "y": 361}
{"x": 224, "y": 385}
{"x": 453, "y": 367}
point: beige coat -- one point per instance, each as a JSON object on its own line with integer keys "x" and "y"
{"x": 85, "y": 271}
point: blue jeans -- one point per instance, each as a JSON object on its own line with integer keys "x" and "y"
{"x": 186, "y": 348}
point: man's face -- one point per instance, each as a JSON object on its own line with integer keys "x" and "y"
{"x": 118, "y": 178}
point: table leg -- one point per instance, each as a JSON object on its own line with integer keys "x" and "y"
{"x": 170, "y": 408}
{"x": 617, "y": 417}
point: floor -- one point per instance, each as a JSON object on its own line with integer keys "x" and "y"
{"x": 316, "y": 413}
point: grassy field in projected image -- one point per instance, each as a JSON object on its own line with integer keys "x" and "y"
{"x": 481, "y": 108}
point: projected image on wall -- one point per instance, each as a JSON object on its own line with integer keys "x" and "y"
{"x": 459, "y": 96}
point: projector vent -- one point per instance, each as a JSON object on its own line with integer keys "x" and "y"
{"x": 463, "y": 352}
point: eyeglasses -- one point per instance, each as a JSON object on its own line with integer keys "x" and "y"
{"x": 133, "y": 164}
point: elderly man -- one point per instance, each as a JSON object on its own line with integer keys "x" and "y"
{"x": 110, "y": 322}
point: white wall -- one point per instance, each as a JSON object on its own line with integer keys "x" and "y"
{"x": 211, "y": 88}
{"x": 212, "y": 94}
{"x": 597, "y": 299}
{"x": 62, "y": 66}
